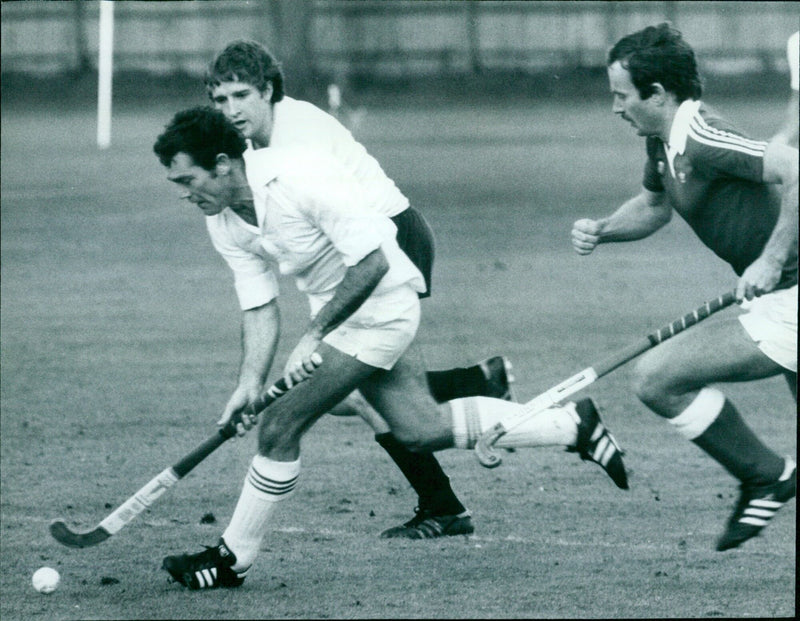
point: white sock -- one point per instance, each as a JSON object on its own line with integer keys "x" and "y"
{"x": 555, "y": 426}
{"x": 700, "y": 415}
{"x": 267, "y": 483}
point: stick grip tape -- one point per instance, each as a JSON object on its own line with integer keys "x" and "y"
{"x": 630, "y": 352}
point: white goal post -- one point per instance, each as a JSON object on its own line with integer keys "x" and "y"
{"x": 105, "y": 69}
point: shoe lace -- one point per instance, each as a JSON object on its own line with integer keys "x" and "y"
{"x": 209, "y": 557}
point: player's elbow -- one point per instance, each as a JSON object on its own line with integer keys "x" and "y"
{"x": 663, "y": 216}
{"x": 780, "y": 164}
{"x": 379, "y": 263}
{"x": 660, "y": 214}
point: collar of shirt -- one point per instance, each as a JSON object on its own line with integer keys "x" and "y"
{"x": 261, "y": 167}
{"x": 680, "y": 130}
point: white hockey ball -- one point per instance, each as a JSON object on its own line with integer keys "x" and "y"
{"x": 45, "y": 580}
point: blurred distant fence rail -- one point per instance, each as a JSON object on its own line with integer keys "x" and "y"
{"x": 387, "y": 38}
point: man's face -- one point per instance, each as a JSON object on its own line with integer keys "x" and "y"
{"x": 643, "y": 114}
{"x": 247, "y": 108}
{"x": 205, "y": 188}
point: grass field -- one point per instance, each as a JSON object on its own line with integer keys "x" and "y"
{"x": 120, "y": 342}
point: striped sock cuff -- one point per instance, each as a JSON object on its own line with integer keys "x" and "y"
{"x": 701, "y": 413}
{"x": 273, "y": 478}
{"x": 466, "y": 422}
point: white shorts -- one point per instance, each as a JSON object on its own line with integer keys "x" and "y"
{"x": 771, "y": 321}
{"x": 379, "y": 332}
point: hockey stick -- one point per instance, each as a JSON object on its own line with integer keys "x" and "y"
{"x": 159, "y": 484}
{"x": 484, "y": 448}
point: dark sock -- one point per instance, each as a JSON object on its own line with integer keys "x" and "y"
{"x": 425, "y": 475}
{"x": 734, "y": 445}
{"x": 457, "y": 383}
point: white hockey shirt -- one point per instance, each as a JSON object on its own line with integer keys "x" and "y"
{"x": 299, "y": 123}
{"x": 313, "y": 221}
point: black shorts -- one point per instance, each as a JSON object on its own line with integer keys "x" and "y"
{"x": 415, "y": 238}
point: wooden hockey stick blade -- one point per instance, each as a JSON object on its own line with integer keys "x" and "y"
{"x": 484, "y": 448}
{"x": 488, "y": 457}
{"x": 62, "y": 533}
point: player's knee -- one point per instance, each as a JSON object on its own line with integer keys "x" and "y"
{"x": 275, "y": 436}
{"x": 354, "y": 404}
{"x": 344, "y": 408}
{"x": 650, "y": 381}
{"x": 413, "y": 440}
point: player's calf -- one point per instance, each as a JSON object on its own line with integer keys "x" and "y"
{"x": 576, "y": 426}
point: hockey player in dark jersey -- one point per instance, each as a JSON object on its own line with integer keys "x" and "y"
{"x": 739, "y": 195}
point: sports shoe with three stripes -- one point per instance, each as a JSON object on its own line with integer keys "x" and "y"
{"x": 426, "y": 525}
{"x": 205, "y": 570}
{"x": 757, "y": 505}
{"x": 595, "y": 443}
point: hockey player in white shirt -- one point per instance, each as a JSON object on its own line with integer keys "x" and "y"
{"x": 245, "y": 82}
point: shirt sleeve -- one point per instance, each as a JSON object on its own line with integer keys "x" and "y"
{"x": 728, "y": 155}
{"x": 254, "y": 280}
{"x": 333, "y": 199}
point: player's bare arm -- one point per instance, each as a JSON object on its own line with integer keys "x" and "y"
{"x": 260, "y": 334}
{"x": 637, "y": 218}
{"x": 788, "y": 132}
{"x": 359, "y": 282}
{"x": 780, "y": 166}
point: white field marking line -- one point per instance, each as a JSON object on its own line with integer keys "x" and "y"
{"x": 480, "y": 539}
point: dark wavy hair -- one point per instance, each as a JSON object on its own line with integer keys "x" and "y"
{"x": 246, "y": 61}
{"x": 659, "y": 54}
{"x": 202, "y": 133}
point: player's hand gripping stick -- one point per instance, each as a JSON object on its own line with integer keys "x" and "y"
{"x": 484, "y": 448}
{"x": 159, "y": 484}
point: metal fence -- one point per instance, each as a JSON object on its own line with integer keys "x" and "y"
{"x": 387, "y": 37}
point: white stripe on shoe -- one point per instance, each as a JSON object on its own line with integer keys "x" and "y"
{"x": 764, "y": 503}
{"x": 754, "y": 521}
{"x": 759, "y": 512}
{"x": 206, "y": 577}
{"x": 608, "y": 453}
{"x": 600, "y": 449}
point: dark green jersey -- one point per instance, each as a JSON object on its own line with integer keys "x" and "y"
{"x": 712, "y": 174}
